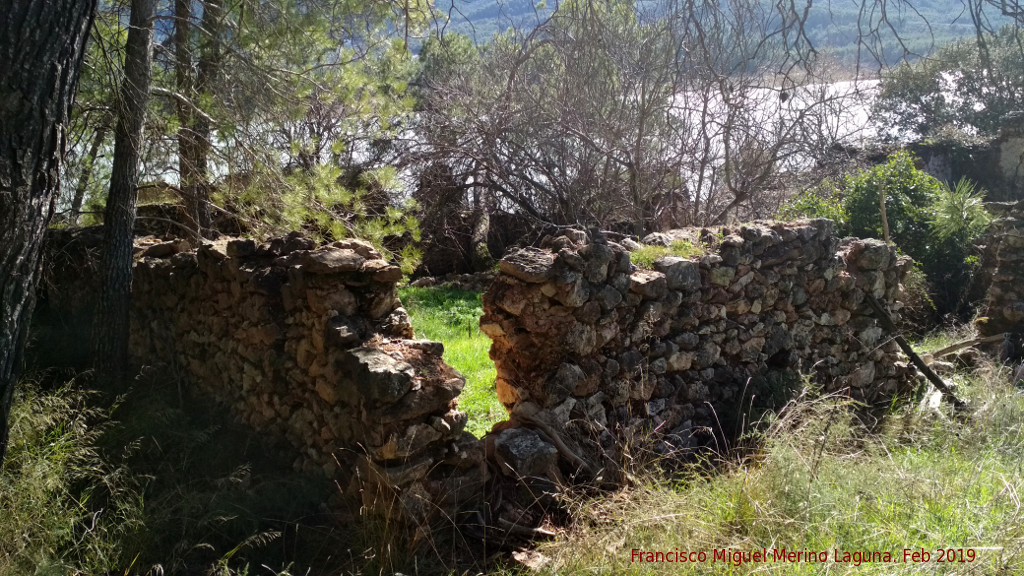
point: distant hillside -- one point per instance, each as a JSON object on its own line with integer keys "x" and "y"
{"x": 831, "y": 25}
{"x": 482, "y": 19}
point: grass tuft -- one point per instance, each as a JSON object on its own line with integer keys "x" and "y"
{"x": 162, "y": 483}
{"x": 645, "y": 256}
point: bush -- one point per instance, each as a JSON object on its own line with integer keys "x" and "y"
{"x": 930, "y": 222}
{"x": 328, "y": 203}
{"x": 908, "y": 194}
{"x": 822, "y": 201}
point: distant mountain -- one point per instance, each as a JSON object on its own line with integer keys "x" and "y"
{"x": 832, "y": 25}
{"x": 482, "y": 19}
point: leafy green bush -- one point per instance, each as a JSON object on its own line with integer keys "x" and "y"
{"x": 822, "y": 201}
{"x": 908, "y": 195}
{"x": 930, "y": 222}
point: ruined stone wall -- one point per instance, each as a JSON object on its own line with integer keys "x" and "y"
{"x": 596, "y": 350}
{"x": 1010, "y": 144}
{"x": 311, "y": 345}
{"x": 996, "y": 164}
{"x": 1003, "y": 265}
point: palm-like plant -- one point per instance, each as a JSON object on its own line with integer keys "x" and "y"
{"x": 959, "y": 213}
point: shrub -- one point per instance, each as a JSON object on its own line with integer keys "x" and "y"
{"x": 822, "y": 201}
{"x": 908, "y": 194}
{"x": 932, "y": 223}
{"x": 328, "y": 204}
{"x": 959, "y": 213}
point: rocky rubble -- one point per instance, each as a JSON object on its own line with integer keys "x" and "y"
{"x": 310, "y": 344}
{"x": 599, "y": 353}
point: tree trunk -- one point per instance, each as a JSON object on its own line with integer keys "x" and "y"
{"x": 112, "y": 317}
{"x": 86, "y": 175}
{"x": 881, "y": 210}
{"x": 41, "y": 48}
{"x": 194, "y": 132}
{"x": 208, "y": 69}
{"x": 188, "y": 169}
{"x": 480, "y": 255}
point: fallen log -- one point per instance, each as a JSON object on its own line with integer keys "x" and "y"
{"x": 966, "y": 344}
{"x": 886, "y": 321}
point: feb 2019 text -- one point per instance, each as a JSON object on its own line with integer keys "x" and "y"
{"x": 783, "y": 555}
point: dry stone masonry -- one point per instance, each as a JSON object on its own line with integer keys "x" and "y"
{"x": 311, "y": 345}
{"x": 590, "y": 350}
{"x": 1003, "y": 308}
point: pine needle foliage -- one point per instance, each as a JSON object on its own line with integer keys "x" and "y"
{"x": 959, "y": 213}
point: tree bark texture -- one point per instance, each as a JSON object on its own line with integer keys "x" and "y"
{"x": 41, "y": 47}
{"x": 112, "y": 317}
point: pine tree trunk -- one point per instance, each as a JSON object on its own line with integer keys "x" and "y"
{"x": 41, "y": 48}
{"x": 208, "y": 70}
{"x": 112, "y": 317}
{"x": 188, "y": 168}
{"x": 194, "y": 133}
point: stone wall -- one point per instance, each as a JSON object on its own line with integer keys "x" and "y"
{"x": 310, "y": 345}
{"x": 1003, "y": 266}
{"x": 994, "y": 164}
{"x": 1010, "y": 144}
{"x": 592, "y": 350}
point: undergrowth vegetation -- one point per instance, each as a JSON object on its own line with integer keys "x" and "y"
{"x": 645, "y": 256}
{"x": 163, "y": 484}
{"x": 452, "y": 317}
{"x": 821, "y": 479}
{"x": 158, "y": 484}
{"x": 931, "y": 222}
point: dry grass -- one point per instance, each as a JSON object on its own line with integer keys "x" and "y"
{"x": 823, "y": 481}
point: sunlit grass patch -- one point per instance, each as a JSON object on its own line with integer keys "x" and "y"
{"x": 645, "y": 256}
{"x": 939, "y": 339}
{"x": 453, "y": 317}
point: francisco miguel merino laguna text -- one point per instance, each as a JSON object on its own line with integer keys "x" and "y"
{"x": 740, "y": 557}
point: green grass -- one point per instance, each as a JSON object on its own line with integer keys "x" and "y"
{"x": 453, "y": 318}
{"x": 46, "y": 526}
{"x": 646, "y": 255}
{"x": 939, "y": 339}
{"x": 821, "y": 481}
